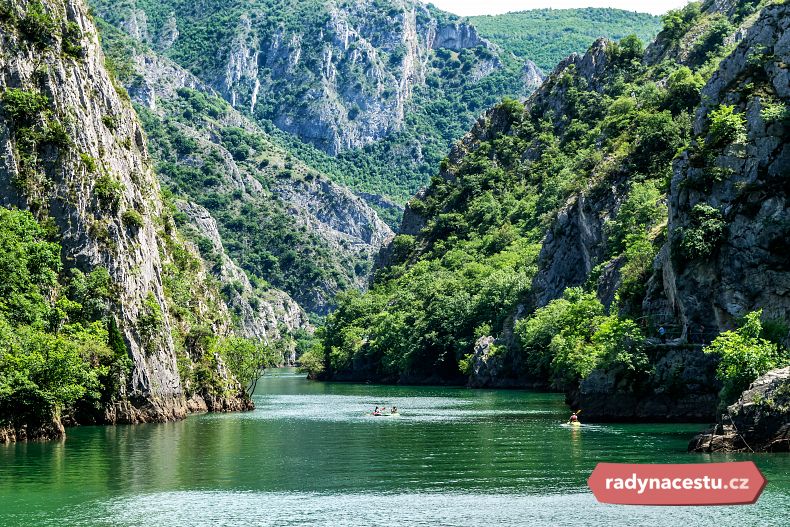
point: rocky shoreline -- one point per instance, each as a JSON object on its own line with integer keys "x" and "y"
{"x": 758, "y": 422}
{"x": 126, "y": 412}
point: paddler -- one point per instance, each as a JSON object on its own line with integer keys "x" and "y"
{"x": 574, "y": 417}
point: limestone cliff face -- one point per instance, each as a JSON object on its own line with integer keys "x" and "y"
{"x": 360, "y": 82}
{"x": 575, "y": 243}
{"x": 347, "y": 230}
{"x": 339, "y": 75}
{"x": 551, "y": 96}
{"x": 90, "y": 172}
{"x": 531, "y": 75}
{"x": 457, "y": 36}
{"x": 344, "y": 220}
{"x": 682, "y": 49}
{"x": 758, "y": 421}
{"x": 748, "y": 270}
{"x": 745, "y": 185}
{"x": 680, "y": 387}
{"x": 263, "y": 314}
{"x": 159, "y": 78}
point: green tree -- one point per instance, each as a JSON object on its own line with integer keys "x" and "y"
{"x": 247, "y": 359}
{"x": 29, "y": 266}
{"x": 744, "y": 356}
{"x": 557, "y": 339}
{"x": 678, "y": 21}
{"x": 640, "y": 211}
{"x": 683, "y": 87}
{"x": 41, "y": 374}
{"x": 704, "y": 233}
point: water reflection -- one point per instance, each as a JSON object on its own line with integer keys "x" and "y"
{"x": 311, "y": 452}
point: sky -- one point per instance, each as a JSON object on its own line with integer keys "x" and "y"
{"x": 493, "y": 7}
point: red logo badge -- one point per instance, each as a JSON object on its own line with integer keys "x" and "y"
{"x": 684, "y": 484}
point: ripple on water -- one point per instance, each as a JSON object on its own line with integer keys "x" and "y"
{"x": 221, "y": 509}
{"x": 354, "y": 408}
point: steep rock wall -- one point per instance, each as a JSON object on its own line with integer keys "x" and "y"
{"x": 89, "y": 171}
{"x": 747, "y": 267}
{"x": 343, "y": 224}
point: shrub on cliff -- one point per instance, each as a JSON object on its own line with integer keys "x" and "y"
{"x": 726, "y": 127}
{"x": 744, "y": 357}
{"x": 702, "y": 237}
{"x": 678, "y": 21}
{"x": 571, "y": 336}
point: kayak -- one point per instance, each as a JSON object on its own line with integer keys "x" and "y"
{"x": 575, "y": 423}
{"x": 386, "y": 415}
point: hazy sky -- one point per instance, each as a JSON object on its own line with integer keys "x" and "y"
{"x": 493, "y": 7}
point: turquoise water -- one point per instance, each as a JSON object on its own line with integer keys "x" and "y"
{"x": 310, "y": 455}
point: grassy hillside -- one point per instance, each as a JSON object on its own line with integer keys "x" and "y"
{"x": 546, "y": 36}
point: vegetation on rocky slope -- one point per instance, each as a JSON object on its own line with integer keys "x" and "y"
{"x": 57, "y": 345}
{"x": 587, "y": 166}
{"x": 105, "y": 308}
{"x": 287, "y": 225}
{"x": 546, "y": 36}
{"x": 430, "y": 77}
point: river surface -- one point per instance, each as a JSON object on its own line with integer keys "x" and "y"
{"x": 311, "y": 454}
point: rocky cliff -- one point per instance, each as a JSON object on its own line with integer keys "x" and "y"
{"x": 352, "y": 79}
{"x": 634, "y": 196}
{"x": 375, "y": 92}
{"x": 743, "y": 186}
{"x": 681, "y": 386}
{"x": 262, "y": 313}
{"x": 741, "y": 189}
{"x": 337, "y": 232}
{"x": 758, "y": 421}
{"x": 79, "y": 157}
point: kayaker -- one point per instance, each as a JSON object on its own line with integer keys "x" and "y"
{"x": 376, "y": 411}
{"x": 394, "y": 410}
{"x": 574, "y": 418}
